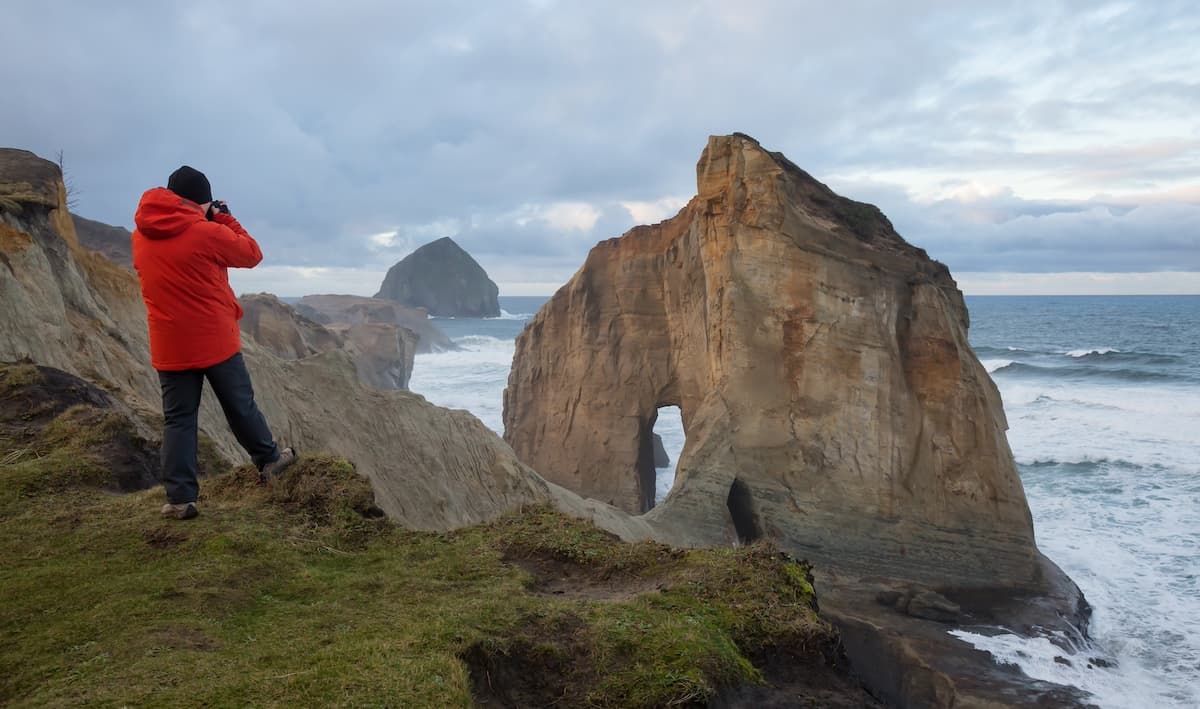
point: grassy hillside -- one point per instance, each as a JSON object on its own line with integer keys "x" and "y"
{"x": 300, "y": 593}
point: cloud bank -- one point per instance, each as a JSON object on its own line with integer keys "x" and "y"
{"x": 1055, "y": 137}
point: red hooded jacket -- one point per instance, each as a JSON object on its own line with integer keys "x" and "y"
{"x": 181, "y": 259}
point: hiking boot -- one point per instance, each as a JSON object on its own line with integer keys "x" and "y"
{"x": 186, "y": 510}
{"x": 270, "y": 471}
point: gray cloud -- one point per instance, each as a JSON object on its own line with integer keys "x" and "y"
{"x": 325, "y": 125}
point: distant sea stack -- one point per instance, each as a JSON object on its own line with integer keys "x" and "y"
{"x": 444, "y": 280}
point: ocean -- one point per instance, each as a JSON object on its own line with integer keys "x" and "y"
{"x": 1102, "y": 395}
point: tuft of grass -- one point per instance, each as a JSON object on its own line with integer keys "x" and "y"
{"x": 18, "y": 375}
{"x": 298, "y": 593}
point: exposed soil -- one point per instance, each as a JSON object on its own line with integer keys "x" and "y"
{"x": 183, "y": 638}
{"x": 547, "y": 667}
{"x": 555, "y": 577}
{"x": 163, "y": 537}
{"x": 33, "y": 397}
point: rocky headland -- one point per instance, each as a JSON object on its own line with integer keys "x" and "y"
{"x": 382, "y": 352}
{"x": 444, "y": 280}
{"x": 339, "y": 310}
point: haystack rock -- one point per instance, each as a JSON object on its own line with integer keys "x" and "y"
{"x": 830, "y": 399}
{"x": 383, "y": 353}
{"x": 354, "y": 309}
{"x": 444, "y": 280}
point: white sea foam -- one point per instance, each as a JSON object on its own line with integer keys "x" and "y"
{"x": 1101, "y": 351}
{"x": 472, "y": 377}
{"x": 505, "y": 315}
{"x": 1057, "y": 421}
{"x": 1112, "y": 687}
{"x": 992, "y": 365}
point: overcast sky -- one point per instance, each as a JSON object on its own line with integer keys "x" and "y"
{"x": 1035, "y": 147}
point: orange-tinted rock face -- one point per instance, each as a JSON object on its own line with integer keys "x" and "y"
{"x": 830, "y": 398}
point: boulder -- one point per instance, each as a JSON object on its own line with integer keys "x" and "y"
{"x": 444, "y": 280}
{"x": 353, "y": 309}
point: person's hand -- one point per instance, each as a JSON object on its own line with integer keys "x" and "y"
{"x": 219, "y": 207}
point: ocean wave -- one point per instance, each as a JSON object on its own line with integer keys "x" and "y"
{"x": 505, "y": 315}
{"x": 482, "y": 343}
{"x": 1110, "y": 354}
{"x": 983, "y": 350}
{"x": 992, "y": 365}
{"x": 1125, "y": 374}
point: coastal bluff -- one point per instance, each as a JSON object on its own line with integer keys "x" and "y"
{"x": 444, "y": 280}
{"x": 66, "y": 307}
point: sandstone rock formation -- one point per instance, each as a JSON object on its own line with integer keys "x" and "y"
{"x": 444, "y": 280}
{"x": 112, "y": 242}
{"x": 353, "y": 309}
{"x": 822, "y": 368}
{"x": 831, "y": 402}
{"x": 382, "y": 353}
{"x": 282, "y": 330}
{"x": 66, "y": 307}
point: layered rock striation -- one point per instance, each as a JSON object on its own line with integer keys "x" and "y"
{"x": 444, "y": 280}
{"x": 383, "y": 353}
{"x": 353, "y": 310}
{"x": 830, "y": 398}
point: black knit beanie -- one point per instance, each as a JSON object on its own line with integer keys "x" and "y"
{"x": 190, "y": 183}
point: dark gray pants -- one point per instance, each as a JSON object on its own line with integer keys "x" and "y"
{"x": 181, "y": 408}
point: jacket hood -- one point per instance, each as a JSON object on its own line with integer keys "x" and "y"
{"x": 162, "y": 214}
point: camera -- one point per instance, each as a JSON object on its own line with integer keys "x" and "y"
{"x": 217, "y": 206}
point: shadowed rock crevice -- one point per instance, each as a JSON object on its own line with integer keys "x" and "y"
{"x": 741, "y": 510}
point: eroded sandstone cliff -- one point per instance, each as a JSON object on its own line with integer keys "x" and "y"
{"x": 830, "y": 398}
{"x": 831, "y": 404}
{"x": 66, "y": 307}
{"x": 354, "y": 309}
{"x": 383, "y": 353}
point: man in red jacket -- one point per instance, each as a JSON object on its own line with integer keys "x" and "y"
{"x": 183, "y": 244}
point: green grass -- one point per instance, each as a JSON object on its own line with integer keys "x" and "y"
{"x": 299, "y": 593}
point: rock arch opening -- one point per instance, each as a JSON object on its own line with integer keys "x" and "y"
{"x": 667, "y": 439}
{"x": 742, "y": 511}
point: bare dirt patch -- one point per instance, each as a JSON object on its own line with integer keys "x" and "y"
{"x": 564, "y": 579}
{"x": 183, "y": 638}
{"x": 163, "y": 538}
{"x": 548, "y": 666}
